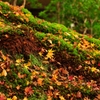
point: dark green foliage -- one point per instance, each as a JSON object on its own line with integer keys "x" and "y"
{"x": 80, "y": 15}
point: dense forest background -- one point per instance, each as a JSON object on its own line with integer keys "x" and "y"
{"x": 80, "y": 15}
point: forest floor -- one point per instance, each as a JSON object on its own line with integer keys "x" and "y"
{"x": 45, "y": 66}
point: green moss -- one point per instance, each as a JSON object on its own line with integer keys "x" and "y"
{"x": 4, "y": 8}
{"x": 93, "y": 40}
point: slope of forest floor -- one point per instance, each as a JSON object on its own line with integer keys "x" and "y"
{"x": 40, "y": 60}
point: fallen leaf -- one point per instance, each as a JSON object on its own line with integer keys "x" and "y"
{"x": 4, "y": 73}
{"x": 61, "y": 98}
{"x": 70, "y": 78}
{"x": 50, "y": 54}
{"x": 14, "y": 98}
{"x": 40, "y": 81}
{"x": 79, "y": 95}
{"x": 2, "y": 96}
{"x": 93, "y": 69}
{"x": 28, "y": 91}
{"x": 25, "y": 98}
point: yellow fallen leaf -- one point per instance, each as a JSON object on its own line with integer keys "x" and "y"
{"x": 14, "y": 98}
{"x": 26, "y": 65}
{"x": 25, "y": 98}
{"x": 4, "y": 73}
{"x": 93, "y": 69}
{"x": 50, "y": 54}
{"x": 61, "y": 98}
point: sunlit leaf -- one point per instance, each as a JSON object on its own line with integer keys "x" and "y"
{"x": 25, "y": 98}
{"x": 14, "y": 98}
{"x": 4, "y": 73}
{"x": 58, "y": 83}
{"x": 51, "y": 87}
{"x": 93, "y": 69}
{"x": 26, "y": 65}
{"x": 61, "y": 98}
{"x": 49, "y": 98}
{"x": 50, "y": 54}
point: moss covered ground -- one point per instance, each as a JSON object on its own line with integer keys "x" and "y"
{"x": 40, "y": 60}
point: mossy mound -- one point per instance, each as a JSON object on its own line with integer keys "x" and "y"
{"x": 42, "y": 60}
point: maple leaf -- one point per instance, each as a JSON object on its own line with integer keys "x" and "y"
{"x": 62, "y": 98}
{"x": 40, "y": 81}
{"x": 3, "y": 73}
{"x": 93, "y": 69}
{"x": 28, "y": 91}
{"x": 2, "y": 96}
{"x": 14, "y": 98}
{"x": 70, "y": 78}
{"x": 26, "y": 65}
{"x": 50, "y": 54}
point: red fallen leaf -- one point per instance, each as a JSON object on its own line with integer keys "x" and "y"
{"x": 70, "y": 78}
{"x": 99, "y": 64}
{"x": 2, "y": 96}
{"x": 80, "y": 77}
{"x": 28, "y": 90}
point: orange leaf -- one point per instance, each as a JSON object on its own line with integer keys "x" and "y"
{"x": 44, "y": 74}
{"x": 28, "y": 90}
{"x": 98, "y": 96}
{"x": 40, "y": 81}
{"x": 14, "y": 98}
